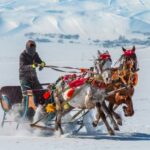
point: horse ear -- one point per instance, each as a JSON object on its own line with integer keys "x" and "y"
{"x": 107, "y": 52}
{"x": 133, "y": 49}
{"x": 123, "y": 49}
{"x": 98, "y": 51}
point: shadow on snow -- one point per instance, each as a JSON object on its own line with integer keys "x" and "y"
{"x": 118, "y": 137}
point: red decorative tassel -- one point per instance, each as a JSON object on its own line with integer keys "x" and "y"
{"x": 46, "y": 95}
{"x": 77, "y": 83}
{"x": 70, "y": 93}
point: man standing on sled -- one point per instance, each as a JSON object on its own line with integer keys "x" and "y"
{"x": 29, "y": 61}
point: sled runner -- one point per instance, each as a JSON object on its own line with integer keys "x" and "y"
{"x": 75, "y": 121}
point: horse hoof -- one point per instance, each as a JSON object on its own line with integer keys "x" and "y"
{"x": 94, "y": 124}
{"x": 126, "y": 115}
{"x": 116, "y": 128}
{"x": 111, "y": 132}
{"x": 62, "y": 133}
{"x": 119, "y": 122}
{"x": 124, "y": 108}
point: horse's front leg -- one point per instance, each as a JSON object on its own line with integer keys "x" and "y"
{"x": 102, "y": 115}
{"x": 117, "y": 116}
{"x": 98, "y": 116}
{"x": 128, "y": 110}
{"x": 107, "y": 111}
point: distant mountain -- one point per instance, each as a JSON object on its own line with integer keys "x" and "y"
{"x": 97, "y": 19}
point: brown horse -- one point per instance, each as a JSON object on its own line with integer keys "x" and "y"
{"x": 124, "y": 76}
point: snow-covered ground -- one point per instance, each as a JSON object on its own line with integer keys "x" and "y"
{"x": 69, "y": 33}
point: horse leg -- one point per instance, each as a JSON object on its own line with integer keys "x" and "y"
{"x": 102, "y": 115}
{"x": 58, "y": 114}
{"x": 98, "y": 116}
{"x": 104, "y": 107}
{"x": 128, "y": 110}
{"x": 117, "y": 116}
{"x": 58, "y": 122}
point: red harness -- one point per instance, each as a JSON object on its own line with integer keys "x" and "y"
{"x": 104, "y": 56}
{"x": 99, "y": 84}
{"x": 77, "y": 82}
{"x": 129, "y": 52}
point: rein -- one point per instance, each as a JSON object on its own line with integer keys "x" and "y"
{"x": 81, "y": 70}
{"x": 64, "y": 71}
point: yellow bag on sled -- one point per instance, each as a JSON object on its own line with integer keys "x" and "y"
{"x": 50, "y": 108}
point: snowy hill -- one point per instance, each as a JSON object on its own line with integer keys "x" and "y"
{"x": 69, "y": 32}
{"x": 103, "y": 19}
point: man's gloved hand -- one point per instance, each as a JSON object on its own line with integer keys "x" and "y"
{"x": 34, "y": 65}
{"x": 42, "y": 65}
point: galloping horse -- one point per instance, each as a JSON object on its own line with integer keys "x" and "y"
{"x": 82, "y": 94}
{"x": 124, "y": 76}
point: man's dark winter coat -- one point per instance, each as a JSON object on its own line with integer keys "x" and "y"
{"x": 25, "y": 70}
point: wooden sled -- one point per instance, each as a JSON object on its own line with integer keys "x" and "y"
{"x": 11, "y": 96}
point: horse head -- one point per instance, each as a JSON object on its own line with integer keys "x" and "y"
{"x": 103, "y": 65}
{"x": 128, "y": 66}
{"x": 129, "y": 58}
